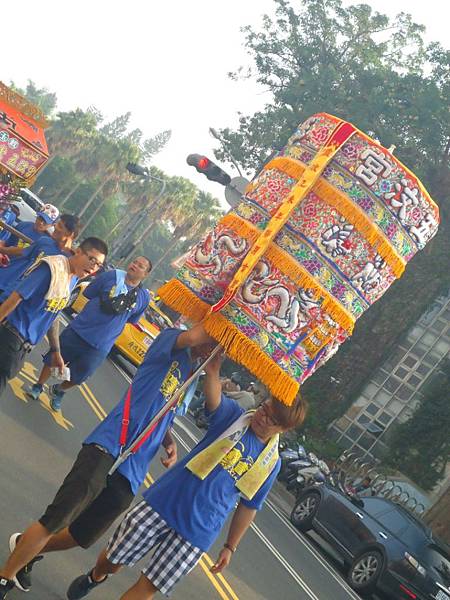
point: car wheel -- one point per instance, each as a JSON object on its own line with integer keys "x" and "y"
{"x": 365, "y": 572}
{"x": 304, "y": 510}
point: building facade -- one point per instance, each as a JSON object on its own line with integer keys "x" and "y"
{"x": 394, "y": 390}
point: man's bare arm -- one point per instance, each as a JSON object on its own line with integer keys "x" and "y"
{"x": 12, "y": 251}
{"x": 241, "y": 521}
{"x": 13, "y": 300}
{"x": 193, "y": 337}
{"x": 53, "y": 336}
{"x": 212, "y": 387}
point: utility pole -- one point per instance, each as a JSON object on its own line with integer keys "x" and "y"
{"x": 125, "y": 243}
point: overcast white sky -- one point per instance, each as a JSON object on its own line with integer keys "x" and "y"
{"x": 166, "y": 62}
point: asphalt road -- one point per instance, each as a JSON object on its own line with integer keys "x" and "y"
{"x": 38, "y": 446}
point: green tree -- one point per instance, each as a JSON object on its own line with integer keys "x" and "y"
{"x": 420, "y": 447}
{"x": 41, "y": 97}
{"x": 378, "y": 73}
{"x": 192, "y": 224}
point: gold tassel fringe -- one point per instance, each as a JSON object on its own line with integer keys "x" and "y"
{"x": 356, "y": 217}
{"x": 237, "y": 346}
{"x": 287, "y": 265}
{"x": 350, "y": 210}
{"x": 180, "y": 298}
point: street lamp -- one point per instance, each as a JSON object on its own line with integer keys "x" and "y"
{"x": 144, "y": 172}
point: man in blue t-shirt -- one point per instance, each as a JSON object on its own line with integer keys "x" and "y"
{"x": 45, "y": 220}
{"x": 87, "y": 341}
{"x": 59, "y": 242}
{"x": 89, "y": 501}
{"x": 31, "y": 308}
{"x": 184, "y": 510}
{"x": 8, "y": 216}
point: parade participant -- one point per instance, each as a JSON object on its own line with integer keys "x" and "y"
{"x": 184, "y": 510}
{"x": 88, "y": 501}
{"x": 245, "y": 398}
{"x": 27, "y": 313}
{"x": 8, "y": 216}
{"x": 115, "y": 298}
{"x": 59, "y": 242}
{"x": 45, "y": 219}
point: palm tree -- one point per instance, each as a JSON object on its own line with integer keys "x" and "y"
{"x": 193, "y": 224}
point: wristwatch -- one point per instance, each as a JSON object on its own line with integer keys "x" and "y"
{"x": 229, "y": 547}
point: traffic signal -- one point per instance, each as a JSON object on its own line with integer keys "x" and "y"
{"x": 208, "y": 168}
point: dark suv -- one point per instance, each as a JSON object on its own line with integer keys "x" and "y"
{"x": 383, "y": 545}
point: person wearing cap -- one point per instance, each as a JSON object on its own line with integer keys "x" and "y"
{"x": 59, "y": 242}
{"x": 45, "y": 219}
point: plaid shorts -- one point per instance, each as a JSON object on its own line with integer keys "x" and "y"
{"x": 141, "y": 530}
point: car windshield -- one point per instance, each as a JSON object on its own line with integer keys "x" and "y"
{"x": 155, "y": 318}
{"x": 32, "y": 202}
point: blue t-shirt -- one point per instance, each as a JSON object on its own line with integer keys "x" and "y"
{"x": 164, "y": 368}
{"x": 198, "y": 509}
{"x": 96, "y": 327}
{"x": 8, "y": 217}
{"x": 10, "y": 275}
{"x": 27, "y": 228}
{"x": 34, "y": 315}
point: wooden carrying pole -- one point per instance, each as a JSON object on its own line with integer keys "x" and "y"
{"x": 170, "y": 405}
{"x": 25, "y": 238}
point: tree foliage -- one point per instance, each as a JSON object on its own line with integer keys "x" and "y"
{"x": 378, "y": 73}
{"x": 87, "y": 175}
{"x": 421, "y": 446}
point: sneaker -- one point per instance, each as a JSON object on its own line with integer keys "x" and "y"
{"x": 5, "y": 586}
{"x": 56, "y": 396}
{"x": 81, "y": 586}
{"x": 22, "y": 580}
{"x": 34, "y": 391}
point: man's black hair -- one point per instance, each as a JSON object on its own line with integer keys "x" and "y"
{"x": 94, "y": 243}
{"x": 150, "y": 265}
{"x": 71, "y": 223}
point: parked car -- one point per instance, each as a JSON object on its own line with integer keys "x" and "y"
{"x": 29, "y": 204}
{"x": 383, "y": 545}
{"x": 136, "y": 338}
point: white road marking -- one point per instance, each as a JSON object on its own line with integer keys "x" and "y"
{"x": 284, "y": 562}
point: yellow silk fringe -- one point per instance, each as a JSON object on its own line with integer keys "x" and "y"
{"x": 176, "y": 295}
{"x": 351, "y": 211}
{"x": 237, "y": 346}
{"x": 287, "y": 265}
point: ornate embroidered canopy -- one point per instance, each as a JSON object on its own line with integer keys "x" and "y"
{"x": 322, "y": 232}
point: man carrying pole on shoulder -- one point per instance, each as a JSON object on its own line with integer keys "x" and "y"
{"x": 89, "y": 500}
{"x": 185, "y": 509}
